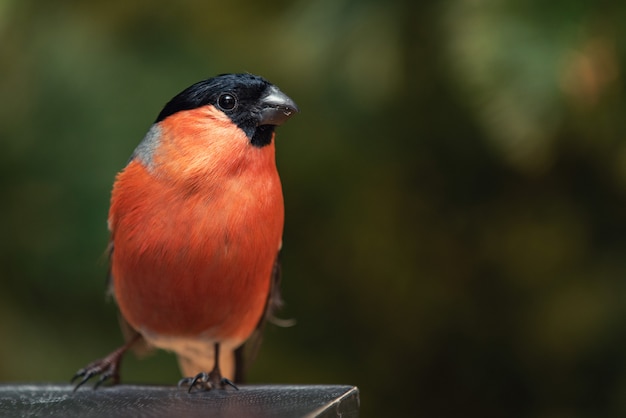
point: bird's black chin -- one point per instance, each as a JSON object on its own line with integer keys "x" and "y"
{"x": 262, "y": 135}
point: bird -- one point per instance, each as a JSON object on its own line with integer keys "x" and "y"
{"x": 196, "y": 221}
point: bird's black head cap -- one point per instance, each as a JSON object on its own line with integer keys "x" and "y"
{"x": 254, "y": 104}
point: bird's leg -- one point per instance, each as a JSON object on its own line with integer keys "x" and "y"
{"x": 107, "y": 367}
{"x": 211, "y": 380}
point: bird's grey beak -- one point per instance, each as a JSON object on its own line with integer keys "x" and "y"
{"x": 276, "y": 107}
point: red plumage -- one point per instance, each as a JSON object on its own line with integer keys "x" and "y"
{"x": 206, "y": 234}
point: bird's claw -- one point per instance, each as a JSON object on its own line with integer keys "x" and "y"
{"x": 106, "y": 367}
{"x": 206, "y": 381}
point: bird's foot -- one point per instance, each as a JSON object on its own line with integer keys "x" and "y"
{"x": 107, "y": 368}
{"x": 207, "y": 381}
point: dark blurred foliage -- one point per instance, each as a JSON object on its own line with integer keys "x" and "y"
{"x": 455, "y": 185}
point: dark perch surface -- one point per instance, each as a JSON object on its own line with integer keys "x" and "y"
{"x": 54, "y": 400}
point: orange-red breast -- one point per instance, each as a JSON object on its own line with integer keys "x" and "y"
{"x": 196, "y": 223}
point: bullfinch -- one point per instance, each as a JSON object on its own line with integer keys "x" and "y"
{"x": 196, "y": 222}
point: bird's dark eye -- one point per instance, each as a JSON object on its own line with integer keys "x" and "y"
{"x": 227, "y": 101}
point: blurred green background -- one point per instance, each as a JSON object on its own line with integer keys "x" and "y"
{"x": 455, "y": 241}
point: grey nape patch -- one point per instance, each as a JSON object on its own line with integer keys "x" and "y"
{"x": 148, "y": 145}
